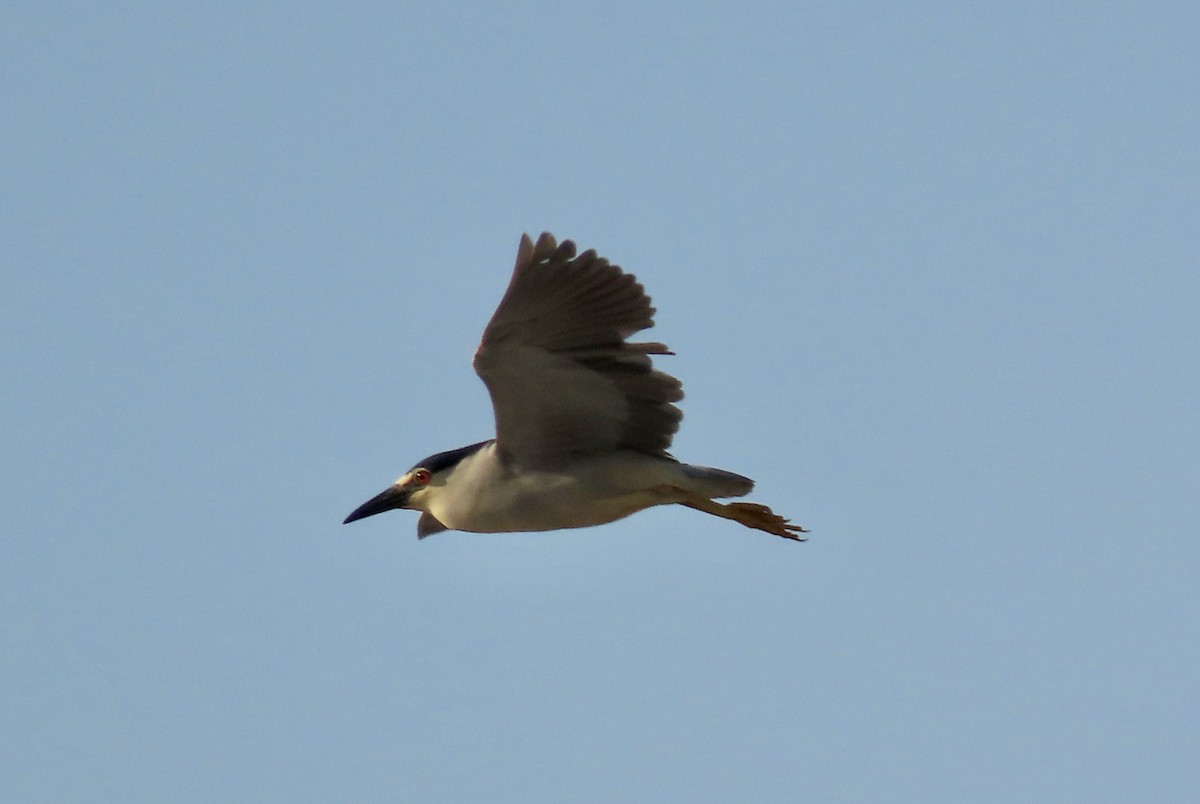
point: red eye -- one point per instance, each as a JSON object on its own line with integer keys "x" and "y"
{"x": 421, "y": 477}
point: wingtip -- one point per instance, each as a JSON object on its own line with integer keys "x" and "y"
{"x": 547, "y": 246}
{"x": 524, "y": 250}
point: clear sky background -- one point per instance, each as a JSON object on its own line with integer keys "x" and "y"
{"x": 931, "y": 273}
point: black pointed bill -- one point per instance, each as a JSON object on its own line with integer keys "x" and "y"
{"x": 392, "y": 498}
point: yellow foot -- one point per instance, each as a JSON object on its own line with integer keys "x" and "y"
{"x": 760, "y": 517}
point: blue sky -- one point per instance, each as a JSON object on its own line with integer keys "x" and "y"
{"x": 931, "y": 274}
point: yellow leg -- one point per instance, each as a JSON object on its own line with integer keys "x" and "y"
{"x": 752, "y": 515}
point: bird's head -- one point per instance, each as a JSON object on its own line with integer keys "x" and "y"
{"x": 416, "y": 487}
{"x": 407, "y": 492}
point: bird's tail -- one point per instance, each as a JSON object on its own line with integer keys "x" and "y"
{"x": 717, "y": 482}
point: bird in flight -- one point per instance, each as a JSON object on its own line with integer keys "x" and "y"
{"x": 583, "y": 420}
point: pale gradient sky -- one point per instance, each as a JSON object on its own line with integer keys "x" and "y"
{"x": 931, "y": 273}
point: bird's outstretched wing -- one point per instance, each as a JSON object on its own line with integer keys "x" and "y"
{"x": 554, "y": 358}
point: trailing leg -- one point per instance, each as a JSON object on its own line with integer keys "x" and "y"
{"x": 752, "y": 515}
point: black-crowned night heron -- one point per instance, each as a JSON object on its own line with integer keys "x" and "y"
{"x": 583, "y": 421}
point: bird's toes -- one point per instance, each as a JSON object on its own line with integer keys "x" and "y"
{"x": 760, "y": 517}
{"x": 793, "y": 532}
